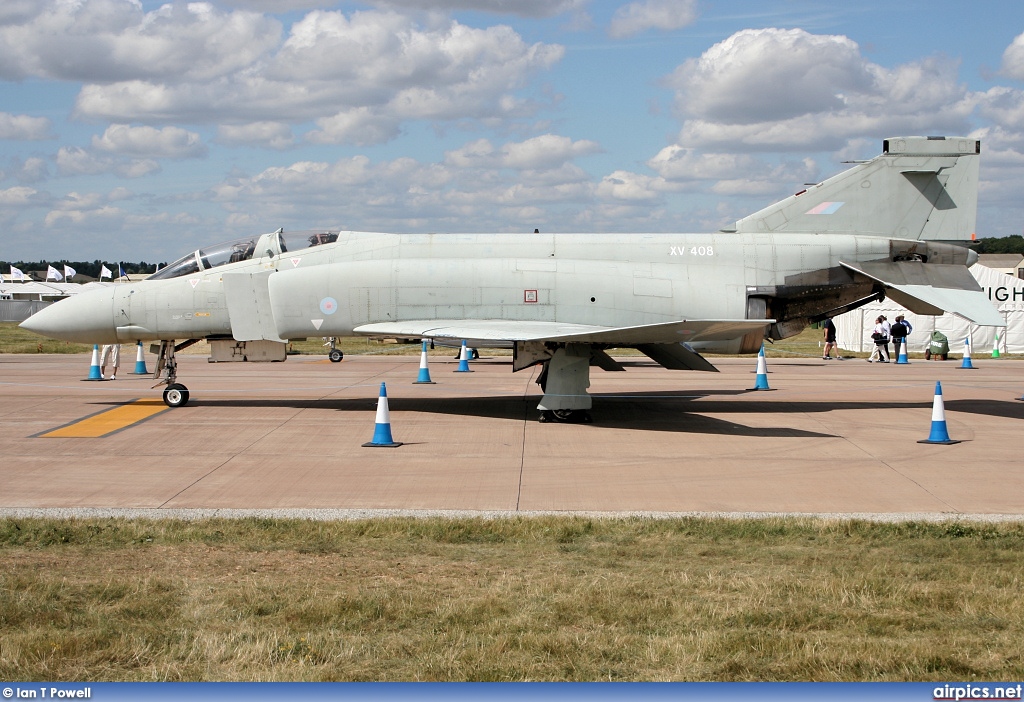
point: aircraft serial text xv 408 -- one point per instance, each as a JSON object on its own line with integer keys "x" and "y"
{"x": 889, "y": 226}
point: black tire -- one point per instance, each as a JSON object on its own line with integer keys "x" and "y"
{"x": 176, "y": 395}
{"x": 335, "y": 356}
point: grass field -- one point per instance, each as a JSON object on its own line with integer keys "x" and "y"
{"x": 510, "y": 599}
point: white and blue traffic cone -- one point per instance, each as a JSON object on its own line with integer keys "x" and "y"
{"x": 762, "y": 372}
{"x": 463, "y": 359}
{"x": 382, "y": 430}
{"x": 939, "y": 435}
{"x": 902, "y": 358}
{"x": 140, "y": 362}
{"x": 424, "y": 376}
{"x": 966, "y": 363}
{"x": 94, "y": 369}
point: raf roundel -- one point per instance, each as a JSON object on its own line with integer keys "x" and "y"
{"x": 328, "y": 305}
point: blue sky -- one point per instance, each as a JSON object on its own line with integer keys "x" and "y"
{"x": 140, "y": 130}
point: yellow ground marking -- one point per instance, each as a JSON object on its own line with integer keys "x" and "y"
{"x": 108, "y": 421}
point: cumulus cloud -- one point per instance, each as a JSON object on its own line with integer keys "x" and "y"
{"x": 20, "y": 196}
{"x": 359, "y": 76}
{"x": 149, "y": 142}
{"x": 480, "y": 182}
{"x": 271, "y": 135}
{"x": 24, "y": 127}
{"x": 638, "y": 17}
{"x": 522, "y": 8}
{"x": 545, "y": 151}
{"x": 104, "y": 41}
{"x": 777, "y": 89}
{"x": 75, "y": 161}
{"x": 1013, "y": 59}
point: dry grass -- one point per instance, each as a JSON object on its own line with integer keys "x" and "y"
{"x": 511, "y": 599}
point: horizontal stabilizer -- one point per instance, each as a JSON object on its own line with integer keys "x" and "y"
{"x": 930, "y": 288}
{"x": 560, "y": 332}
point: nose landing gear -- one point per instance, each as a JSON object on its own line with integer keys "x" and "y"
{"x": 176, "y": 394}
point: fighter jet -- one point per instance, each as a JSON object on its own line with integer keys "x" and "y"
{"x": 895, "y": 225}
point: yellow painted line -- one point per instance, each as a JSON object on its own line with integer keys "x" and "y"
{"x": 108, "y": 421}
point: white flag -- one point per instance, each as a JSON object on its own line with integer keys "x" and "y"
{"x": 52, "y": 272}
{"x": 16, "y": 274}
{"x": 69, "y": 272}
{"x": 105, "y": 273}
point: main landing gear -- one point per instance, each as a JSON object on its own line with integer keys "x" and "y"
{"x": 564, "y": 380}
{"x": 175, "y": 394}
{"x": 335, "y": 354}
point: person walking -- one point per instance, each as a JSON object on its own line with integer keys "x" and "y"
{"x": 880, "y": 335}
{"x": 898, "y": 331}
{"x": 829, "y": 328}
{"x": 111, "y": 353}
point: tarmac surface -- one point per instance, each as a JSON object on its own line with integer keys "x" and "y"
{"x": 830, "y": 437}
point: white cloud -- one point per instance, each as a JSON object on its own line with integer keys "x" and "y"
{"x": 75, "y": 161}
{"x": 32, "y": 170}
{"x": 271, "y": 135}
{"x": 104, "y": 41}
{"x": 149, "y": 142}
{"x": 359, "y": 77}
{"x": 24, "y": 127}
{"x": 1013, "y": 59}
{"x": 677, "y": 163}
{"x": 775, "y": 89}
{"x": 541, "y": 152}
{"x": 19, "y": 196}
{"x": 666, "y": 15}
{"x": 522, "y": 8}
{"x": 634, "y": 187}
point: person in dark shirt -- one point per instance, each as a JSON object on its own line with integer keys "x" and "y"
{"x": 830, "y": 339}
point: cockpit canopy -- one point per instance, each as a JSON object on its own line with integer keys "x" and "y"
{"x": 267, "y": 245}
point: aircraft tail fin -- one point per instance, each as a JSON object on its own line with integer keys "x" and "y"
{"x": 918, "y": 188}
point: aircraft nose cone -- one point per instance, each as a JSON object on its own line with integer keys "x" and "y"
{"x": 86, "y": 318}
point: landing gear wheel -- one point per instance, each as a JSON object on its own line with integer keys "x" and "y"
{"x": 176, "y": 395}
{"x": 335, "y": 355}
{"x": 566, "y": 416}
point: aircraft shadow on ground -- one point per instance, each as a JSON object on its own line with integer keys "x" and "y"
{"x": 654, "y": 411}
{"x": 671, "y": 411}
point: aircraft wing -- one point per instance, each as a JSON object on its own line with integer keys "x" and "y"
{"x": 932, "y": 289}
{"x": 563, "y": 332}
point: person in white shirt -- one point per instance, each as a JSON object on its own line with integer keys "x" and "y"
{"x": 880, "y": 335}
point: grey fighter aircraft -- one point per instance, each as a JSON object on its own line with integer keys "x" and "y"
{"x": 891, "y": 226}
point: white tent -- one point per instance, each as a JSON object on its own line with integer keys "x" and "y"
{"x": 853, "y": 329}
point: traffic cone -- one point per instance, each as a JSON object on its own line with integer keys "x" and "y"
{"x": 966, "y": 363}
{"x": 140, "y": 362}
{"x": 424, "y": 376}
{"x": 463, "y": 360}
{"x": 902, "y": 351}
{"x": 939, "y": 435}
{"x": 94, "y": 369}
{"x": 382, "y": 430}
{"x": 762, "y": 372}
{"x": 995, "y": 347}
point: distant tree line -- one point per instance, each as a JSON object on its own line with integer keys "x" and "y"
{"x": 1001, "y": 245}
{"x": 90, "y": 269}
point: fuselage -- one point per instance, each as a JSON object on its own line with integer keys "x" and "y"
{"x": 608, "y": 280}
